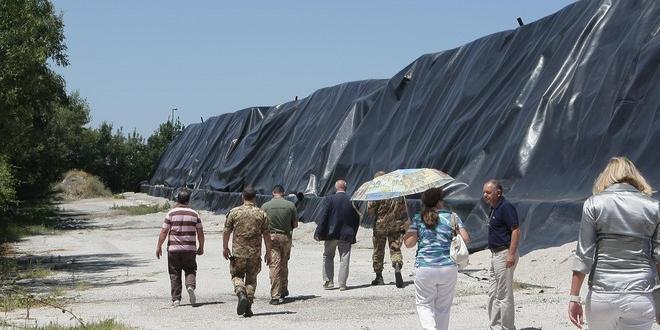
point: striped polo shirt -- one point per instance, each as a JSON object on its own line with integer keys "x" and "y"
{"x": 182, "y": 222}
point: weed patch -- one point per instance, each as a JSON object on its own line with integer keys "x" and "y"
{"x": 82, "y": 286}
{"x": 142, "y": 209}
{"x": 37, "y": 218}
{"x": 110, "y": 324}
{"x": 14, "y": 296}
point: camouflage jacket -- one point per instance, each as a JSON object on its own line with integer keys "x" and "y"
{"x": 390, "y": 214}
{"x": 248, "y": 223}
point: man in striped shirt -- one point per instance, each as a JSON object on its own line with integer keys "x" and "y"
{"x": 184, "y": 228}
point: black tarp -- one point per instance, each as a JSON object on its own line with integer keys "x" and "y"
{"x": 542, "y": 107}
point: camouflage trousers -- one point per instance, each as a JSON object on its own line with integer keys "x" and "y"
{"x": 244, "y": 275}
{"x": 395, "y": 239}
{"x": 279, "y": 265}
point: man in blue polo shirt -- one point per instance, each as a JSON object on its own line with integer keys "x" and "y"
{"x": 503, "y": 238}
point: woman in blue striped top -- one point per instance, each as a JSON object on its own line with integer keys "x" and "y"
{"x": 436, "y": 272}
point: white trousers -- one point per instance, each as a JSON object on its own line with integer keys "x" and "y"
{"x": 434, "y": 293}
{"x": 630, "y": 311}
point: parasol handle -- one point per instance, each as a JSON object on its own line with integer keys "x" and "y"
{"x": 405, "y": 202}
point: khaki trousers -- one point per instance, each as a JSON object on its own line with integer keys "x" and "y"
{"x": 329, "y": 248}
{"x": 501, "y": 309}
{"x": 279, "y": 265}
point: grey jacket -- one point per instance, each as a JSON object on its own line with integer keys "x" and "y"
{"x": 619, "y": 243}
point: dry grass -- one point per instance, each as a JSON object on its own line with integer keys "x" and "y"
{"x": 142, "y": 208}
{"x": 109, "y": 324}
{"x": 14, "y": 296}
{"x": 20, "y": 299}
{"x": 13, "y": 231}
{"x": 79, "y": 184}
{"x": 7, "y": 249}
{"x": 82, "y": 286}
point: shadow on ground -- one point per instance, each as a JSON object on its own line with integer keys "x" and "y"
{"x": 405, "y": 283}
{"x": 273, "y": 313}
{"x": 69, "y": 220}
{"x": 298, "y": 298}
{"x": 475, "y": 273}
{"x": 81, "y": 271}
{"x": 200, "y": 304}
{"x": 361, "y": 286}
{"x": 81, "y": 263}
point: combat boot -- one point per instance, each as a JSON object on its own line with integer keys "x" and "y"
{"x": 243, "y": 303}
{"x": 248, "y": 311}
{"x": 379, "y": 279}
{"x": 397, "y": 276}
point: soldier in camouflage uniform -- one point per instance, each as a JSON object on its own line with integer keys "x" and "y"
{"x": 249, "y": 224}
{"x": 388, "y": 228}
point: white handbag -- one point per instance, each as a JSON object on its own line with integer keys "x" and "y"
{"x": 458, "y": 250}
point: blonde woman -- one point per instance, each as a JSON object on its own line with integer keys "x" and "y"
{"x": 618, "y": 246}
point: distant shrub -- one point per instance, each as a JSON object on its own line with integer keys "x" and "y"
{"x": 7, "y": 193}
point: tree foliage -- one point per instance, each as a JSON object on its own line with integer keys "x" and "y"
{"x": 122, "y": 160}
{"x": 43, "y": 130}
{"x": 32, "y": 96}
{"x": 7, "y": 193}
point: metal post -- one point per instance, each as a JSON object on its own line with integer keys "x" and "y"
{"x": 173, "y": 109}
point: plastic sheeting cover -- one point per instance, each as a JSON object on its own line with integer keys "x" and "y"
{"x": 542, "y": 107}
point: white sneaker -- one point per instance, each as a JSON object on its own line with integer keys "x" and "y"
{"x": 191, "y": 295}
{"x": 176, "y": 303}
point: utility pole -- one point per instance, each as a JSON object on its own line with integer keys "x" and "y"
{"x": 173, "y": 109}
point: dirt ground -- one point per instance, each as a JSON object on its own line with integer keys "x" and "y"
{"x": 106, "y": 263}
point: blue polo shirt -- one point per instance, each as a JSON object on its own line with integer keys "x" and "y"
{"x": 503, "y": 220}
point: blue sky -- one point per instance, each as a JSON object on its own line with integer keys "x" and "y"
{"x": 136, "y": 60}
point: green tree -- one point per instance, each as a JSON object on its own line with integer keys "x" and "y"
{"x": 122, "y": 161}
{"x": 43, "y": 129}
{"x": 157, "y": 143}
{"x": 108, "y": 156}
{"x": 32, "y": 96}
{"x": 7, "y": 193}
{"x": 138, "y": 164}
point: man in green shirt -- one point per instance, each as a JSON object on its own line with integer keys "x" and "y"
{"x": 283, "y": 218}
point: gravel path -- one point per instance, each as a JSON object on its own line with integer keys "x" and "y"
{"x": 108, "y": 268}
